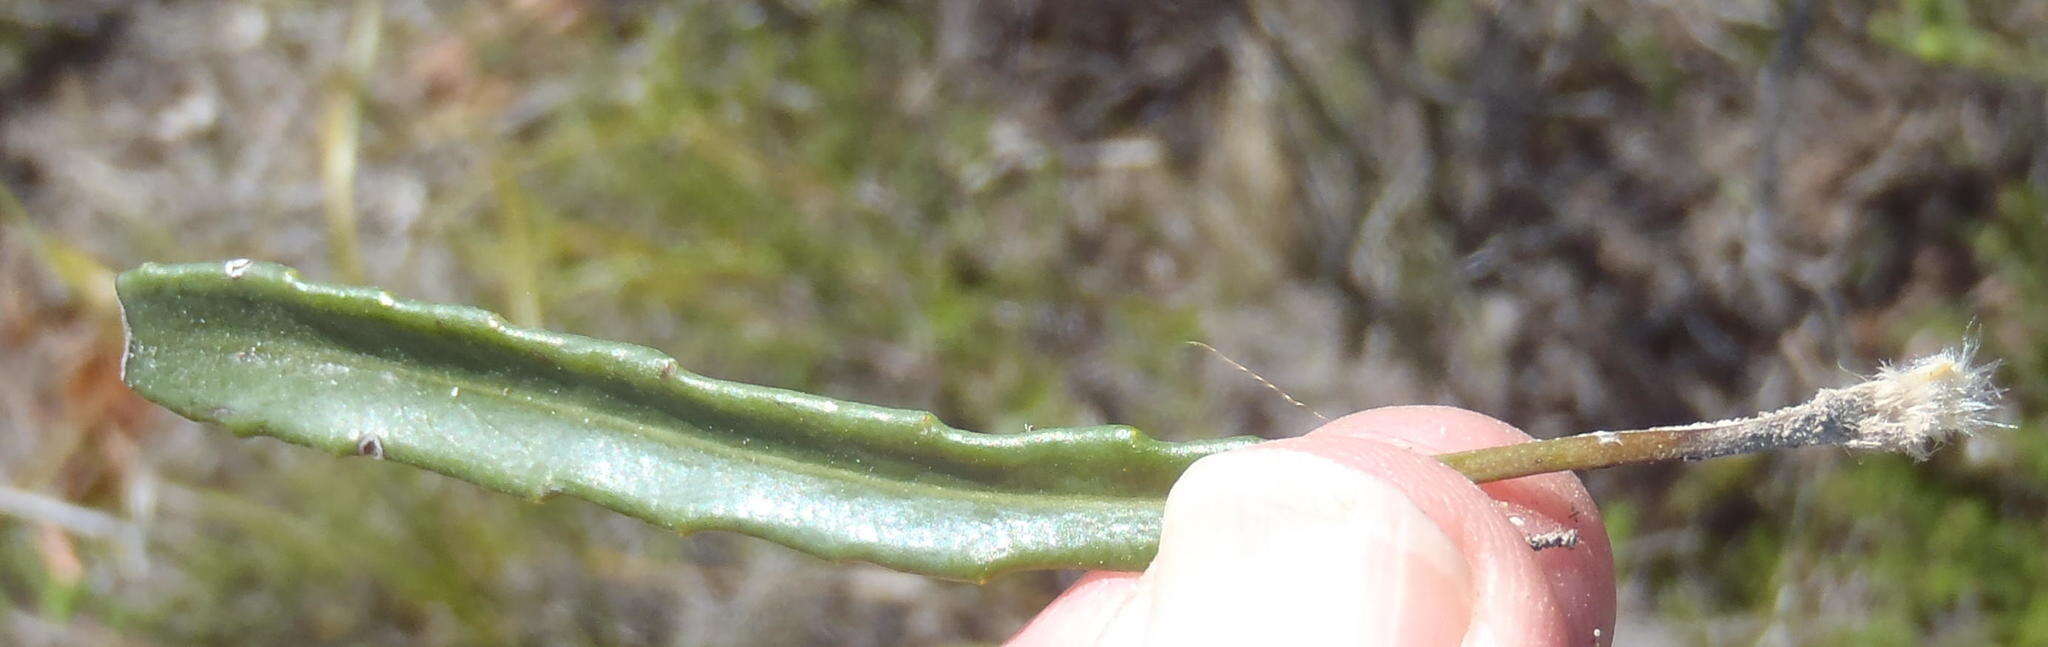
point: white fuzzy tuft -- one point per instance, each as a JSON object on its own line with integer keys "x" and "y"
{"x": 1919, "y": 404}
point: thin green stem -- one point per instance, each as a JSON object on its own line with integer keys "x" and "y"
{"x": 1904, "y": 409}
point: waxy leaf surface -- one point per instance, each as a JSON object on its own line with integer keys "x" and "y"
{"x": 456, "y": 390}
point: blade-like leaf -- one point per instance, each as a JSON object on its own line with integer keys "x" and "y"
{"x": 456, "y": 390}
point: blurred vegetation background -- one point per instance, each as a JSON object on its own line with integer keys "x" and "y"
{"x": 1569, "y": 214}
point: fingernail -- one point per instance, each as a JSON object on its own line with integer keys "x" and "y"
{"x": 1284, "y": 547}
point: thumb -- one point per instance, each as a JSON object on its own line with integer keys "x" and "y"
{"x": 1280, "y": 546}
{"x": 1345, "y": 536}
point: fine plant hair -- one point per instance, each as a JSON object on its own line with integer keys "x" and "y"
{"x": 1262, "y": 380}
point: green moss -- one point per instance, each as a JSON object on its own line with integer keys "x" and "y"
{"x": 1957, "y": 33}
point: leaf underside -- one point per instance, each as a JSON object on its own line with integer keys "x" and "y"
{"x": 456, "y": 390}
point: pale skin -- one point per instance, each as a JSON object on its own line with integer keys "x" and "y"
{"x": 1353, "y": 535}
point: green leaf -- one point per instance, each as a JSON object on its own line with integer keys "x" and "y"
{"x": 458, "y": 391}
